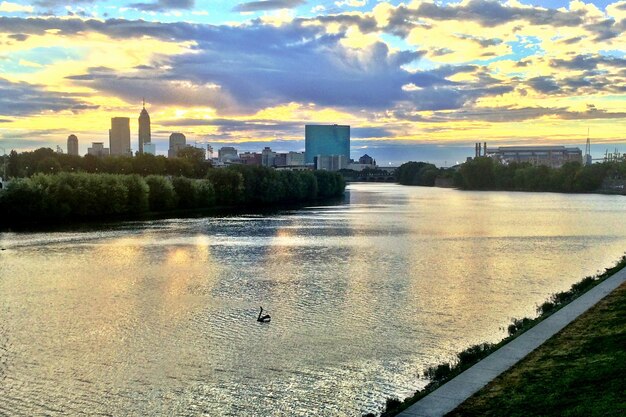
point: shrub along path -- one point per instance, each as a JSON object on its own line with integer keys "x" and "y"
{"x": 450, "y": 395}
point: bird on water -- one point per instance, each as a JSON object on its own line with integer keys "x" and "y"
{"x": 263, "y": 318}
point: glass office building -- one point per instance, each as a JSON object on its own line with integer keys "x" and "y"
{"x": 326, "y": 140}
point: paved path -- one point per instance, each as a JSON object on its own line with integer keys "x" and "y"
{"x": 450, "y": 395}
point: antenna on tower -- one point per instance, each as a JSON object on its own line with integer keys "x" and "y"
{"x": 144, "y": 102}
{"x": 588, "y": 150}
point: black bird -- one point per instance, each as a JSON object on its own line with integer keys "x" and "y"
{"x": 263, "y": 319}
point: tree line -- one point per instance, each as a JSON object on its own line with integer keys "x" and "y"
{"x": 485, "y": 173}
{"x": 189, "y": 163}
{"x": 82, "y": 195}
{"x": 418, "y": 173}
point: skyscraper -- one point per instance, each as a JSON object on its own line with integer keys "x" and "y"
{"x": 72, "y": 145}
{"x": 326, "y": 140}
{"x": 119, "y": 136}
{"x": 144, "y": 128}
{"x": 178, "y": 141}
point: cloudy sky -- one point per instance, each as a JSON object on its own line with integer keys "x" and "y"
{"x": 420, "y": 80}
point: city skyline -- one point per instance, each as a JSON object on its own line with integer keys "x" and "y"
{"x": 416, "y": 80}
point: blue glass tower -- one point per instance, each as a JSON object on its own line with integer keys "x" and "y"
{"x": 326, "y": 140}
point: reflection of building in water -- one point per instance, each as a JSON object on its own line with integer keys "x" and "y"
{"x": 552, "y": 156}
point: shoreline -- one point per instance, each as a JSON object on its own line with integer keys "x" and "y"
{"x": 444, "y": 373}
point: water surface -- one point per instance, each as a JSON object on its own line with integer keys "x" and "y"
{"x": 158, "y": 317}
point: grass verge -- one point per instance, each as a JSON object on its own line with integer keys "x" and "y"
{"x": 441, "y": 374}
{"x": 579, "y": 372}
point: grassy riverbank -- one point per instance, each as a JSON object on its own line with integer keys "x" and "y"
{"x": 439, "y": 375}
{"x": 579, "y": 372}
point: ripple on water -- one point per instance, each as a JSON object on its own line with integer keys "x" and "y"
{"x": 159, "y": 317}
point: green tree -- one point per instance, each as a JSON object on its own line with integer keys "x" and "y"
{"x": 478, "y": 174}
{"x": 138, "y": 194}
{"x": 417, "y": 173}
{"x": 228, "y": 185}
{"x": 162, "y": 195}
{"x": 187, "y": 192}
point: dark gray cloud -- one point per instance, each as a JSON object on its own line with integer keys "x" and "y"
{"x": 572, "y": 41}
{"x": 256, "y": 6}
{"x": 508, "y": 114}
{"x": 488, "y": 13}
{"x": 231, "y": 128}
{"x": 606, "y": 29}
{"x": 366, "y": 24}
{"x": 544, "y": 84}
{"x": 163, "y": 5}
{"x": 258, "y": 66}
{"x": 23, "y": 99}
{"x": 588, "y": 62}
{"x": 20, "y": 37}
{"x": 62, "y": 3}
{"x": 152, "y": 5}
{"x": 484, "y": 42}
{"x": 239, "y": 70}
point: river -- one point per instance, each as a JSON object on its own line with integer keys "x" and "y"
{"x": 159, "y": 317}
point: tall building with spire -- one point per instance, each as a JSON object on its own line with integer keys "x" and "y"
{"x": 144, "y": 128}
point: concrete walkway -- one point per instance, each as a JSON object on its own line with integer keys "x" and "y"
{"x": 450, "y": 395}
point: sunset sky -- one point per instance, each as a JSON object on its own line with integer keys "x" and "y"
{"x": 417, "y": 80}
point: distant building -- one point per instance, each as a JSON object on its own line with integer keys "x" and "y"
{"x": 280, "y": 160}
{"x": 98, "y": 149}
{"x": 149, "y": 148}
{"x": 268, "y": 157}
{"x": 552, "y": 156}
{"x": 324, "y": 140}
{"x": 367, "y": 160}
{"x": 119, "y": 136}
{"x": 295, "y": 159}
{"x": 360, "y": 167}
{"x": 250, "y": 158}
{"x": 331, "y": 162}
{"x": 145, "y": 136}
{"x": 72, "y": 145}
{"x": 227, "y": 153}
{"x": 178, "y": 141}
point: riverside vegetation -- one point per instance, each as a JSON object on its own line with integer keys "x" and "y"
{"x": 487, "y": 174}
{"x": 63, "y": 194}
{"x": 440, "y": 374}
{"x": 579, "y": 372}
